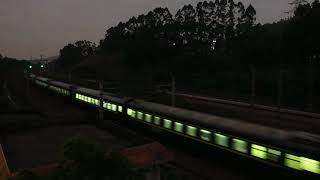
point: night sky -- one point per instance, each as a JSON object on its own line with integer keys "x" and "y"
{"x": 34, "y": 27}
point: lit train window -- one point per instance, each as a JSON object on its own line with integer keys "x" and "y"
{"x": 148, "y": 118}
{"x": 104, "y": 104}
{"x": 114, "y": 107}
{"x": 310, "y": 165}
{"x": 240, "y": 145}
{"x": 292, "y": 161}
{"x": 178, "y": 127}
{"x": 167, "y": 123}
{"x": 302, "y": 163}
{"x": 259, "y": 151}
{"x": 140, "y": 115}
{"x": 221, "y": 140}
{"x": 120, "y": 108}
{"x": 274, "y": 155}
{"x": 156, "y": 120}
{"x": 131, "y": 113}
{"x": 97, "y": 102}
{"x": 109, "y": 106}
{"x": 191, "y": 131}
{"x": 205, "y": 135}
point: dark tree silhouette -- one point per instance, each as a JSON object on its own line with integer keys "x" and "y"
{"x": 72, "y": 54}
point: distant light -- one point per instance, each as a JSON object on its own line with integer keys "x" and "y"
{"x": 174, "y": 44}
{"x": 42, "y": 66}
{"x": 30, "y": 67}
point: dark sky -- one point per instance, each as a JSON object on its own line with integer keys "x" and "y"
{"x": 34, "y": 27}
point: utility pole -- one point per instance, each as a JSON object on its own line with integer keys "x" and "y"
{"x": 101, "y": 115}
{"x": 28, "y": 84}
{"x": 69, "y": 77}
{"x": 311, "y": 84}
{"x": 173, "y": 91}
{"x": 253, "y": 86}
{"x": 280, "y": 92}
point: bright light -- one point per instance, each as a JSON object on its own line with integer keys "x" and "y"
{"x": 30, "y": 67}
{"x": 42, "y": 66}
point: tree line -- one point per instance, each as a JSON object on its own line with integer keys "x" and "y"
{"x": 158, "y": 34}
{"x": 219, "y": 44}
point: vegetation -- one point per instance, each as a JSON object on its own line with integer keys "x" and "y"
{"x": 217, "y": 47}
{"x": 88, "y": 161}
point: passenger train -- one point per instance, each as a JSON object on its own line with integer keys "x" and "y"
{"x": 292, "y": 150}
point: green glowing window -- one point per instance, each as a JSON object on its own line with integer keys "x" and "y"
{"x": 205, "y": 135}
{"x": 156, "y": 120}
{"x": 259, "y": 151}
{"x": 191, "y": 131}
{"x": 148, "y": 118}
{"x": 109, "y": 106}
{"x": 221, "y": 140}
{"x": 97, "y": 102}
{"x": 273, "y": 155}
{"x": 178, "y": 127}
{"x": 104, "y": 105}
{"x": 120, "y": 108}
{"x": 140, "y": 115}
{"x": 240, "y": 145}
{"x": 114, "y": 107}
{"x": 310, "y": 165}
{"x": 131, "y": 113}
{"x": 292, "y": 161}
{"x": 167, "y": 123}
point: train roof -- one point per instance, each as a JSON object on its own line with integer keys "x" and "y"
{"x": 42, "y": 79}
{"x": 60, "y": 84}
